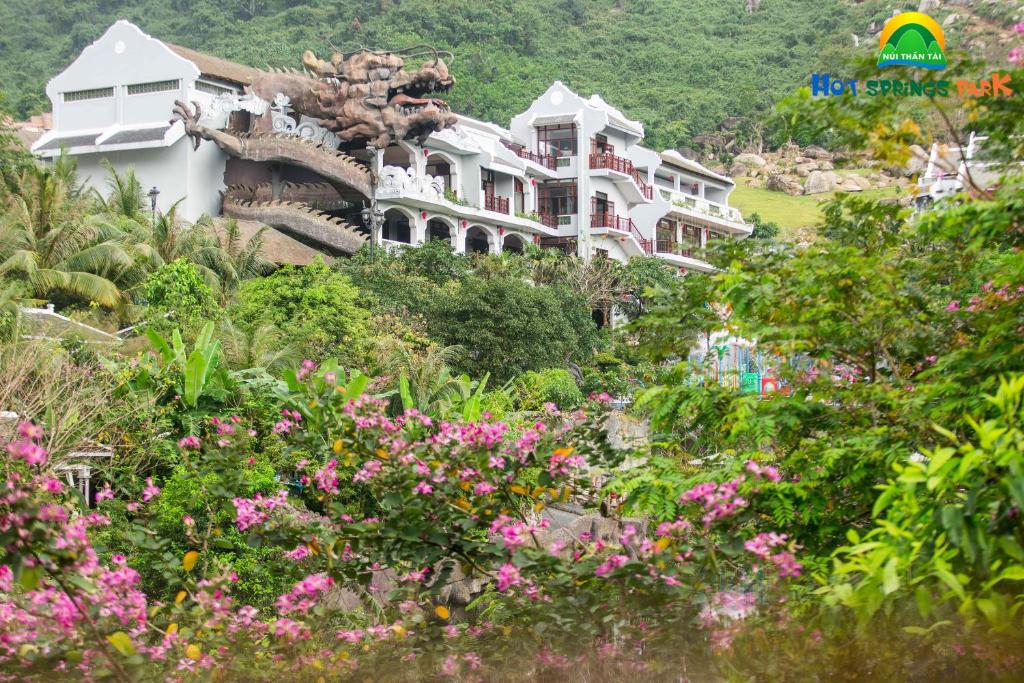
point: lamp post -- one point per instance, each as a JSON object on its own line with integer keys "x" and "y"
{"x": 153, "y": 194}
{"x": 373, "y": 218}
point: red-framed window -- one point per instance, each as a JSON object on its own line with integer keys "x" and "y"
{"x": 557, "y": 140}
{"x": 557, "y": 197}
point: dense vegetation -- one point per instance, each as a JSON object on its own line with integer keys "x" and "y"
{"x": 662, "y": 62}
{"x": 363, "y": 468}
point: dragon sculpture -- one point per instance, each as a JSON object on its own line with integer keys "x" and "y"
{"x": 314, "y": 118}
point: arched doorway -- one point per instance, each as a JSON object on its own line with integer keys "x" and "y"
{"x": 396, "y": 227}
{"x": 442, "y": 165}
{"x": 398, "y": 155}
{"x": 513, "y": 244}
{"x": 438, "y": 229}
{"x": 477, "y": 241}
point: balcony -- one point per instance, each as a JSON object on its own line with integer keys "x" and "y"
{"x": 621, "y": 224}
{"x": 545, "y": 160}
{"x": 496, "y": 203}
{"x": 624, "y": 166}
{"x": 686, "y": 249}
{"x": 549, "y": 220}
{"x": 721, "y": 214}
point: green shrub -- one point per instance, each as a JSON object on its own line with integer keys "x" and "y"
{"x": 554, "y": 385}
{"x": 315, "y": 307}
{"x": 178, "y": 297}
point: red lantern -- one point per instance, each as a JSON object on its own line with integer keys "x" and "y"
{"x": 533, "y": 181}
{"x": 501, "y": 230}
{"x": 464, "y": 224}
{"x": 426, "y": 152}
{"x": 423, "y": 215}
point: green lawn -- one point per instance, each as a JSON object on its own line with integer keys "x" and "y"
{"x": 791, "y": 213}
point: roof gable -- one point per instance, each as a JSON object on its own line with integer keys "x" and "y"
{"x": 123, "y": 55}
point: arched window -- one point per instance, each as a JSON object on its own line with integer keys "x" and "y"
{"x": 396, "y": 226}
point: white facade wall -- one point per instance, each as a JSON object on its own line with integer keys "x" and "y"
{"x": 125, "y": 57}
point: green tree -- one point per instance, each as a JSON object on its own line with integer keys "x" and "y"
{"x": 509, "y": 326}
{"x": 47, "y": 239}
{"x": 314, "y": 307}
{"x": 178, "y": 296}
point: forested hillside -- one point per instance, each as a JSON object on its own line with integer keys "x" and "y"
{"x": 681, "y": 66}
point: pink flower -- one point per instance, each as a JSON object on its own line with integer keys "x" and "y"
{"x": 52, "y": 485}
{"x": 423, "y": 489}
{"x": 31, "y": 453}
{"x": 326, "y": 479}
{"x": 1016, "y": 55}
{"x": 105, "y": 493}
{"x": 953, "y": 305}
{"x": 370, "y": 468}
{"x": 508, "y": 576}
{"x": 610, "y": 565}
{"x": 187, "y": 520}
{"x": 189, "y": 442}
{"x": 761, "y": 544}
{"x": 299, "y": 553}
{"x": 32, "y": 432}
{"x": 151, "y": 491}
{"x": 1019, "y": 28}
{"x": 484, "y": 488}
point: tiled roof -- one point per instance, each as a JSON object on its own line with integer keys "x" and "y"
{"x": 137, "y": 135}
{"x": 69, "y": 142}
{"x": 215, "y": 67}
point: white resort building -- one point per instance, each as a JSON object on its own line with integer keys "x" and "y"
{"x": 569, "y": 172}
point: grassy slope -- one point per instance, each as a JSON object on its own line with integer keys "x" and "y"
{"x": 680, "y": 66}
{"x": 791, "y": 213}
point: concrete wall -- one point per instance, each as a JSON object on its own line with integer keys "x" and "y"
{"x": 177, "y": 171}
{"x": 122, "y": 56}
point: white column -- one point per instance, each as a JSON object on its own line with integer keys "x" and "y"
{"x": 418, "y": 230}
{"x": 459, "y": 238}
{"x": 582, "y": 194}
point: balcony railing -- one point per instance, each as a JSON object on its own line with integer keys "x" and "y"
{"x": 707, "y": 207}
{"x": 546, "y": 160}
{"x": 550, "y": 220}
{"x": 678, "y": 248}
{"x": 620, "y": 224}
{"x": 496, "y": 203}
{"x": 624, "y": 166}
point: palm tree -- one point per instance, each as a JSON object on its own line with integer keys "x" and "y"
{"x": 433, "y": 387}
{"x": 47, "y": 241}
{"x": 600, "y": 280}
{"x": 125, "y": 198}
{"x": 261, "y": 346}
{"x": 174, "y": 238}
{"x": 243, "y": 258}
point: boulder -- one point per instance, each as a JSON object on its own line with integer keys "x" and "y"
{"x": 928, "y": 5}
{"x": 819, "y": 182}
{"x": 804, "y": 170}
{"x": 802, "y": 160}
{"x": 784, "y": 183}
{"x": 950, "y": 20}
{"x": 825, "y": 165}
{"x": 749, "y": 159}
{"x": 860, "y": 181}
{"x": 815, "y": 152}
{"x": 737, "y": 170}
{"x": 849, "y": 186}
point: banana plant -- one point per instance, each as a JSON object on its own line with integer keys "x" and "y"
{"x": 453, "y": 396}
{"x": 199, "y": 372}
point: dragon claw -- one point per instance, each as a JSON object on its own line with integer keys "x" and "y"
{"x": 189, "y": 116}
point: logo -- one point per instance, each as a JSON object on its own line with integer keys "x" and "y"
{"x": 912, "y": 39}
